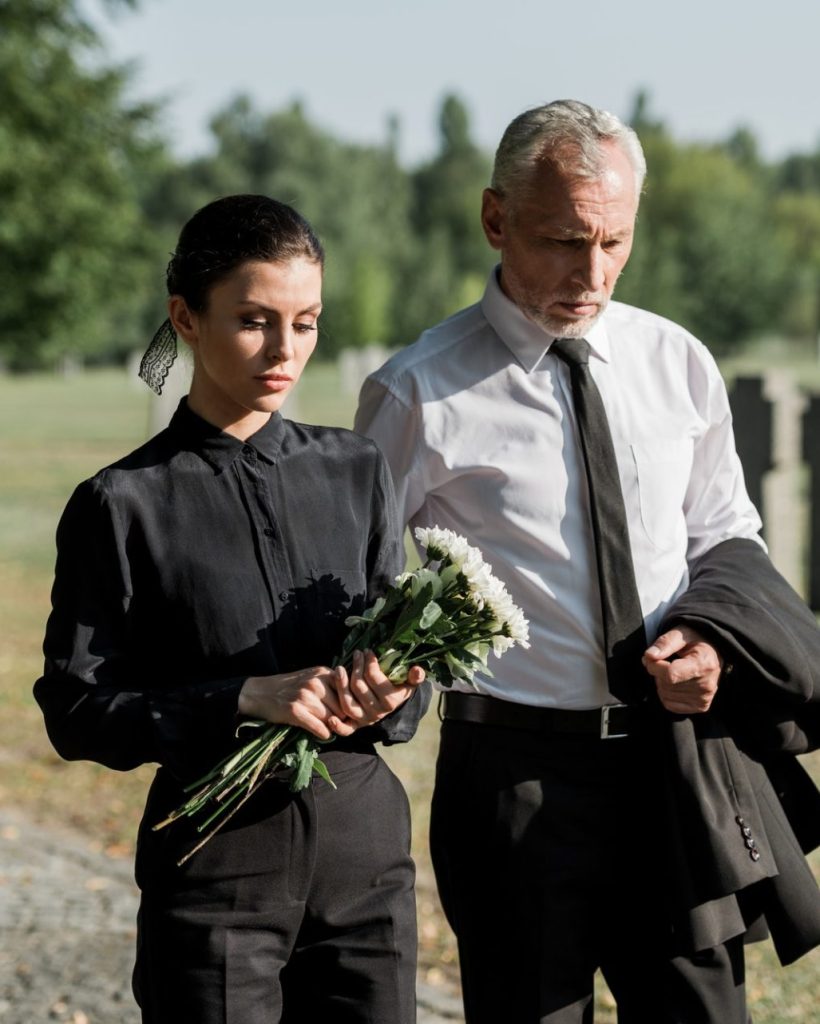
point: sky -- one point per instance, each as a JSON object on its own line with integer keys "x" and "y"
{"x": 709, "y": 66}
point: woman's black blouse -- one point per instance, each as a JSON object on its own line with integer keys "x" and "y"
{"x": 197, "y": 561}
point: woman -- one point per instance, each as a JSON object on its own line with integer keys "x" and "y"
{"x": 207, "y": 576}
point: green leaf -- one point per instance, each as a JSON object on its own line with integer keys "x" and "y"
{"x": 422, "y": 578}
{"x": 304, "y": 756}
{"x": 320, "y": 768}
{"x": 449, "y": 575}
{"x": 388, "y": 659}
{"x": 412, "y": 611}
{"x": 430, "y": 614}
{"x": 441, "y": 627}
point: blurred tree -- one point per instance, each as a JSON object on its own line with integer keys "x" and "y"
{"x": 743, "y": 149}
{"x": 356, "y": 197}
{"x": 641, "y": 120}
{"x": 797, "y": 219}
{"x": 454, "y": 257}
{"x": 800, "y": 173}
{"x": 706, "y": 253}
{"x": 73, "y": 250}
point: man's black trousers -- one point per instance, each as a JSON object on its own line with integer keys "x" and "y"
{"x": 548, "y": 851}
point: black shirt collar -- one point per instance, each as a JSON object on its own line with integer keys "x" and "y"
{"x": 219, "y": 449}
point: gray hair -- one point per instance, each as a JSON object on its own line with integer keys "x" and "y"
{"x": 568, "y": 133}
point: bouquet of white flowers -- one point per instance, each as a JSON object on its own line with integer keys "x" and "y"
{"x": 445, "y": 616}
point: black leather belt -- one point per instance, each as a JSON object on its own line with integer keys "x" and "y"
{"x": 614, "y": 721}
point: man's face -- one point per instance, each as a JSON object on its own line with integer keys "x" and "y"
{"x": 563, "y": 241}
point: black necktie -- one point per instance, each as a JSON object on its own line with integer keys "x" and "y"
{"x": 624, "y": 636}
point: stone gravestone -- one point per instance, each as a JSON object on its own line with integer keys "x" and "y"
{"x": 752, "y": 415}
{"x": 782, "y": 489}
{"x": 811, "y": 454}
{"x": 356, "y": 363}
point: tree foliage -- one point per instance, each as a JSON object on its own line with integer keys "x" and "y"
{"x": 703, "y": 255}
{"x": 727, "y": 244}
{"x": 72, "y": 237}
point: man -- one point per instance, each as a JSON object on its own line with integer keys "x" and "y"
{"x": 586, "y": 448}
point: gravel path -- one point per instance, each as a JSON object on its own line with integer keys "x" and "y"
{"x": 67, "y": 933}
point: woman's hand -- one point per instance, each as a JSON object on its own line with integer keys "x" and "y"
{"x": 308, "y": 698}
{"x": 367, "y": 695}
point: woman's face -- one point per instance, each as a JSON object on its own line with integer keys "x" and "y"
{"x": 252, "y": 341}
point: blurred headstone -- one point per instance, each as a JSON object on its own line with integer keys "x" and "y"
{"x": 785, "y": 512}
{"x": 356, "y": 363}
{"x": 163, "y": 406}
{"x": 752, "y": 415}
{"x": 132, "y": 369}
{"x": 69, "y": 365}
{"x": 811, "y": 453}
{"x": 290, "y": 407}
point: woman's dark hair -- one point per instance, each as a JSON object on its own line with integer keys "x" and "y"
{"x": 230, "y": 231}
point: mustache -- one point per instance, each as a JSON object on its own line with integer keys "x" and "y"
{"x": 584, "y": 300}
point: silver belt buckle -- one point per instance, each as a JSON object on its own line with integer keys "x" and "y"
{"x": 605, "y": 733}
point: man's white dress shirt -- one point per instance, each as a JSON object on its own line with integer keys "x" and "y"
{"x": 477, "y": 422}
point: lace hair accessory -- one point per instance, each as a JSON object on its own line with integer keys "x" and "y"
{"x": 159, "y": 357}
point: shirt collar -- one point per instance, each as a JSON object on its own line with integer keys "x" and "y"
{"x": 526, "y": 340}
{"x": 220, "y": 449}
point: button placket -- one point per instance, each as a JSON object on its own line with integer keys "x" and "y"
{"x": 250, "y": 472}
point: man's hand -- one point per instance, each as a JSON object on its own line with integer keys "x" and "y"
{"x": 367, "y": 695}
{"x": 686, "y": 670}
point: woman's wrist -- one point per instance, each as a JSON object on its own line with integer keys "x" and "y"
{"x": 248, "y": 703}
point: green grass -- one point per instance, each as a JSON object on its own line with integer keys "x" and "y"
{"x": 55, "y": 432}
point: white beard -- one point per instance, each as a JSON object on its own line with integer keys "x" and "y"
{"x": 559, "y": 327}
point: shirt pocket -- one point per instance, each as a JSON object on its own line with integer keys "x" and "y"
{"x": 663, "y": 467}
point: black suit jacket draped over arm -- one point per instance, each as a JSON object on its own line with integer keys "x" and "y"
{"x": 741, "y": 810}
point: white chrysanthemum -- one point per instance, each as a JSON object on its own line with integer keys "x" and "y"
{"x": 447, "y": 544}
{"x": 501, "y": 644}
{"x": 481, "y": 583}
{"x": 486, "y": 590}
{"x": 499, "y": 601}
{"x": 435, "y": 541}
{"x": 518, "y": 628}
{"x": 472, "y": 562}
{"x": 458, "y": 549}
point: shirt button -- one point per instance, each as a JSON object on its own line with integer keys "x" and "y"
{"x": 249, "y": 452}
{"x": 283, "y": 595}
{"x": 269, "y": 531}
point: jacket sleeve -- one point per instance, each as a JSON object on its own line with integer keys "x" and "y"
{"x": 740, "y": 603}
{"x": 94, "y": 707}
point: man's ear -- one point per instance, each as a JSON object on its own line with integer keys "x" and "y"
{"x": 184, "y": 320}
{"x": 492, "y": 217}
